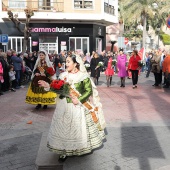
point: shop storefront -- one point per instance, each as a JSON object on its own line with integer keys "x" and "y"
{"x": 54, "y": 37}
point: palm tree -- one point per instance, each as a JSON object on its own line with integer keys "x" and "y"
{"x": 143, "y": 10}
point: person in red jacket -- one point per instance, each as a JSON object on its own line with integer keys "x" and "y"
{"x": 134, "y": 67}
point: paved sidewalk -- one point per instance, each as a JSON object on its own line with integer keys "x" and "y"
{"x": 138, "y": 129}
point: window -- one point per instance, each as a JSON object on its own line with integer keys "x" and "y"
{"x": 85, "y": 4}
{"x": 16, "y": 43}
{"x": 109, "y": 6}
{"x": 45, "y": 4}
{"x": 17, "y": 4}
{"x": 79, "y": 44}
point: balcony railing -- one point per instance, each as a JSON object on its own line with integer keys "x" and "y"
{"x": 109, "y": 9}
{"x": 36, "y": 5}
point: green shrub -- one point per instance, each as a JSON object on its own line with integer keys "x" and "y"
{"x": 165, "y": 39}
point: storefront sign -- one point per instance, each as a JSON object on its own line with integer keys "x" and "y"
{"x": 52, "y": 29}
{"x": 63, "y": 43}
{"x": 34, "y": 43}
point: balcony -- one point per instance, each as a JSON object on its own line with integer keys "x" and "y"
{"x": 36, "y": 5}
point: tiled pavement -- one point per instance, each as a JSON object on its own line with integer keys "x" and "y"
{"x": 138, "y": 129}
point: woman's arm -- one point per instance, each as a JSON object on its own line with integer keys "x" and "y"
{"x": 44, "y": 84}
{"x": 130, "y": 63}
{"x": 87, "y": 90}
{"x": 92, "y": 63}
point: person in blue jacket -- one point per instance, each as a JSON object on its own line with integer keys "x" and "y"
{"x": 17, "y": 63}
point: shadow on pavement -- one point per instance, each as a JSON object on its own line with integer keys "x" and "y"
{"x": 161, "y": 105}
{"x": 140, "y": 142}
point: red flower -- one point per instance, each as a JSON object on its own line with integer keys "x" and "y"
{"x": 57, "y": 86}
{"x": 50, "y": 71}
{"x": 61, "y": 83}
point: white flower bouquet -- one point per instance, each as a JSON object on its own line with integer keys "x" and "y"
{"x": 100, "y": 64}
{"x": 87, "y": 65}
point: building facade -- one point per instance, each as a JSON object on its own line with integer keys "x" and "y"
{"x": 60, "y": 24}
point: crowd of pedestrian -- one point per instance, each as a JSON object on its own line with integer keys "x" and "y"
{"x": 157, "y": 62}
{"x": 125, "y": 65}
{"x": 12, "y": 68}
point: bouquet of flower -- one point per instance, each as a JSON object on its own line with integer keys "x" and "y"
{"x": 114, "y": 62}
{"x": 100, "y": 64}
{"x": 141, "y": 63}
{"x": 60, "y": 87}
{"x": 87, "y": 66}
{"x": 49, "y": 71}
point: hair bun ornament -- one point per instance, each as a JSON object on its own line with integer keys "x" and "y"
{"x": 80, "y": 61}
{"x": 121, "y": 49}
{"x": 44, "y": 52}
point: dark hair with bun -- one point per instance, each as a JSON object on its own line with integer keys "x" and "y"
{"x": 73, "y": 57}
{"x": 121, "y": 49}
{"x": 136, "y": 52}
{"x": 42, "y": 52}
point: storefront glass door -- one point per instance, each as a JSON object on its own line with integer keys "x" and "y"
{"x": 48, "y": 43}
{"x": 80, "y": 44}
{"x": 49, "y": 47}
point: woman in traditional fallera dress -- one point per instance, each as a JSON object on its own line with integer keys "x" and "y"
{"x": 35, "y": 94}
{"x": 73, "y": 130}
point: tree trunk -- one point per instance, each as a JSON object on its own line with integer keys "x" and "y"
{"x": 25, "y": 40}
{"x": 24, "y": 45}
{"x": 144, "y": 31}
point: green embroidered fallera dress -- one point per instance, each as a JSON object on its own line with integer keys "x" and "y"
{"x": 73, "y": 131}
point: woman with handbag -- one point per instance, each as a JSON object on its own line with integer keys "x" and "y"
{"x": 134, "y": 67}
{"x": 109, "y": 72}
{"x": 95, "y": 69}
{"x": 155, "y": 64}
{"x": 121, "y": 66}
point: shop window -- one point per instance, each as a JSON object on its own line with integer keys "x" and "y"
{"x": 16, "y": 43}
{"x": 72, "y": 44}
{"x": 80, "y": 44}
{"x": 17, "y": 4}
{"x": 78, "y": 4}
{"x": 84, "y": 41}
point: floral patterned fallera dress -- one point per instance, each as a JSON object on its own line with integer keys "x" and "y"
{"x": 36, "y": 94}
